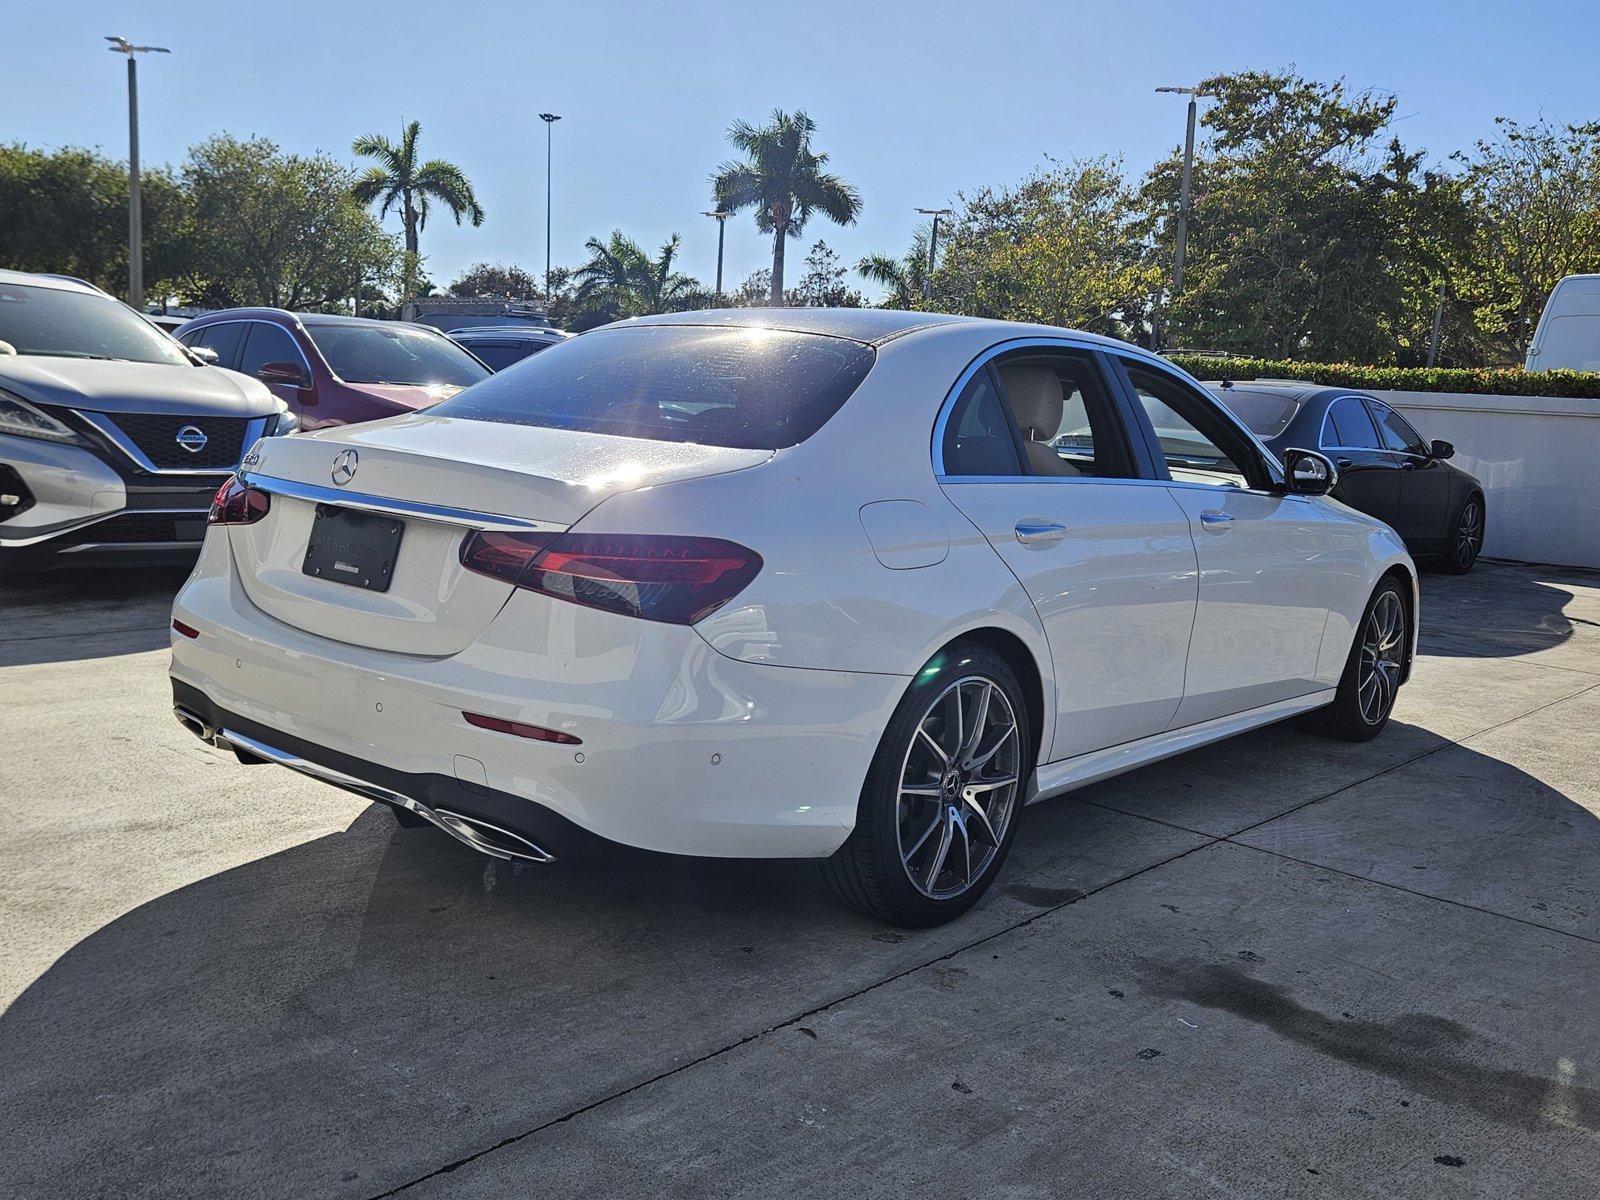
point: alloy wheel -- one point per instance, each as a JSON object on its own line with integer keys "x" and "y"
{"x": 959, "y": 784}
{"x": 1469, "y": 535}
{"x": 1382, "y": 645}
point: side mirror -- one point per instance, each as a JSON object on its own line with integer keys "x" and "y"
{"x": 1307, "y": 473}
{"x": 207, "y": 356}
{"x": 1442, "y": 449}
{"x": 287, "y": 373}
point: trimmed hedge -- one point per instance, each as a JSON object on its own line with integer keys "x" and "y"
{"x": 1478, "y": 381}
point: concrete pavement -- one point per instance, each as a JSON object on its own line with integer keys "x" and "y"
{"x": 1281, "y": 966}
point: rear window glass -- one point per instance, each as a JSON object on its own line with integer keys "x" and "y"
{"x": 1265, "y": 414}
{"x": 394, "y": 354}
{"x": 758, "y": 389}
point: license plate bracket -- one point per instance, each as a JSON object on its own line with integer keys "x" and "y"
{"x": 354, "y": 548}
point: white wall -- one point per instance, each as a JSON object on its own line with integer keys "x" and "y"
{"x": 1539, "y": 460}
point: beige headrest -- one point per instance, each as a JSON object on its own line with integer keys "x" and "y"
{"x": 1035, "y": 395}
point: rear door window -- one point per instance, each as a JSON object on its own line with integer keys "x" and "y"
{"x": 759, "y": 389}
{"x": 1349, "y": 427}
{"x": 978, "y": 437}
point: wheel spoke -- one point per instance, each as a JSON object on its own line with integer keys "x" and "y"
{"x": 938, "y": 820}
{"x": 989, "y": 785}
{"x": 941, "y": 851}
{"x": 966, "y": 852}
{"x": 933, "y": 744}
{"x": 978, "y": 810}
{"x": 982, "y": 755}
{"x": 921, "y": 789}
{"x": 980, "y": 717}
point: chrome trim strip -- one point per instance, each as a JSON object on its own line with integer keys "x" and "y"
{"x": 254, "y": 429}
{"x": 466, "y": 517}
{"x": 464, "y": 829}
{"x": 14, "y": 543}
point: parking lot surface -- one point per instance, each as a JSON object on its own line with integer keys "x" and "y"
{"x": 1280, "y": 966}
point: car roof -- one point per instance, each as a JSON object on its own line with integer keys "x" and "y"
{"x": 1289, "y": 389}
{"x": 284, "y": 316}
{"x": 537, "y": 333}
{"x": 872, "y": 326}
{"x": 63, "y": 283}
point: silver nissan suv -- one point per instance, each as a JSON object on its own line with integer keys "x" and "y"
{"x": 113, "y": 437}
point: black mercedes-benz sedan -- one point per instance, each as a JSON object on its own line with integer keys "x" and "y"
{"x": 1385, "y": 467}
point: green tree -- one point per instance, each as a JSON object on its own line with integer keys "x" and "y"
{"x": 1534, "y": 196}
{"x": 902, "y": 277}
{"x": 822, "y": 283}
{"x": 280, "y": 230}
{"x": 1062, "y": 247}
{"x": 486, "y": 279}
{"x": 783, "y": 179}
{"x": 398, "y": 180}
{"x": 1310, "y": 235}
{"x": 66, "y": 211}
{"x": 621, "y": 280}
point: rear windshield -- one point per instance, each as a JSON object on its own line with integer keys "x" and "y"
{"x": 379, "y": 354}
{"x": 1265, "y": 414}
{"x": 757, "y": 389}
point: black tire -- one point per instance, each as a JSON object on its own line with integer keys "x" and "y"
{"x": 1352, "y": 717}
{"x": 868, "y": 872}
{"x": 1466, "y": 536}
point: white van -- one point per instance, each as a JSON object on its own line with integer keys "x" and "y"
{"x": 1568, "y": 337}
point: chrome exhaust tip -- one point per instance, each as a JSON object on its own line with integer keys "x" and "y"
{"x": 196, "y": 724}
{"x": 491, "y": 839}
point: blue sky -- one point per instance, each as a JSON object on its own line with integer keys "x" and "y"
{"x": 915, "y": 102}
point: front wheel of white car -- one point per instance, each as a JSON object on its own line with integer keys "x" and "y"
{"x": 943, "y": 796}
{"x": 1371, "y": 679}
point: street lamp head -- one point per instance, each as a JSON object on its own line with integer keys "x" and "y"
{"x": 549, "y": 118}
{"x": 720, "y": 214}
{"x": 1183, "y": 91}
{"x": 934, "y": 212}
{"x": 121, "y": 45}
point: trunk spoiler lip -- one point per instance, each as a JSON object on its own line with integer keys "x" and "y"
{"x": 366, "y": 501}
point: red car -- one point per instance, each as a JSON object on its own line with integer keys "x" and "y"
{"x": 336, "y": 370}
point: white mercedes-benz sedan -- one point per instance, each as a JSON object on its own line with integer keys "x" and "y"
{"x": 852, "y": 585}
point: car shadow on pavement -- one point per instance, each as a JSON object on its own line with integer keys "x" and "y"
{"x": 362, "y": 1008}
{"x": 61, "y": 616}
{"x": 1501, "y": 610}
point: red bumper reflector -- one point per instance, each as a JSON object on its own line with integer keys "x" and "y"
{"x": 537, "y": 732}
{"x": 188, "y": 631}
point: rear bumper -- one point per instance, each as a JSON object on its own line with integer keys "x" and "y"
{"x": 683, "y": 751}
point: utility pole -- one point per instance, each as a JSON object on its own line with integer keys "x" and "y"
{"x": 549, "y": 120}
{"x": 1438, "y": 319}
{"x": 1194, "y": 94}
{"x": 933, "y": 248}
{"x": 722, "y": 228}
{"x": 120, "y": 45}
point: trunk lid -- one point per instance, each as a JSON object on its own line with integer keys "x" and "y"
{"x": 464, "y": 474}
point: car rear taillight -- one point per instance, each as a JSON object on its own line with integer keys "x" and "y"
{"x": 654, "y": 576}
{"x": 237, "y": 503}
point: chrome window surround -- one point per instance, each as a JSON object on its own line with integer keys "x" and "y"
{"x": 465, "y": 517}
{"x": 1327, "y": 415}
{"x": 254, "y": 430}
{"x": 1274, "y": 469}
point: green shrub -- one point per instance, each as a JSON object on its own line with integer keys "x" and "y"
{"x": 1480, "y": 381}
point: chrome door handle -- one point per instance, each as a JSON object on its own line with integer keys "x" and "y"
{"x": 1216, "y": 522}
{"x": 1031, "y": 533}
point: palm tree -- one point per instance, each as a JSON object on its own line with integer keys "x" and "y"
{"x": 783, "y": 179}
{"x": 621, "y": 279}
{"x": 399, "y": 181}
{"x": 902, "y": 276}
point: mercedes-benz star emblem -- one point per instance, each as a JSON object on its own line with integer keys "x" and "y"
{"x": 344, "y": 466}
{"x": 192, "y": 438}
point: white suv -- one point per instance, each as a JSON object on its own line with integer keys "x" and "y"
{"x": 113, "y": 437}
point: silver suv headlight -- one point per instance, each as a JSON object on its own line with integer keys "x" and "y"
{"x": 285, "y": 423}
{"x": 19, "y": 417}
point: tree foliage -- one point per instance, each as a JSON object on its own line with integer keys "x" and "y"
{"x": 495, "y": 279}
{"x": 784, "y": 181}
{"x": 398, "y": 181}
{"x": 621, "y": 280}
{"x": 1062, "y": 248}
{"x": 66, "y": 211}
{"x": 278, "y": 229}
{"x": 1534, "y": 193}
{"x": 822, "y": 282}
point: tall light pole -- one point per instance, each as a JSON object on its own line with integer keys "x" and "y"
{"x": 121, "y": 45}
{"x": 549, "y": 120}
{"x": 933, "y": 248}
{"x": 722, "y": 228}
{"x": 1194, "y": 94}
